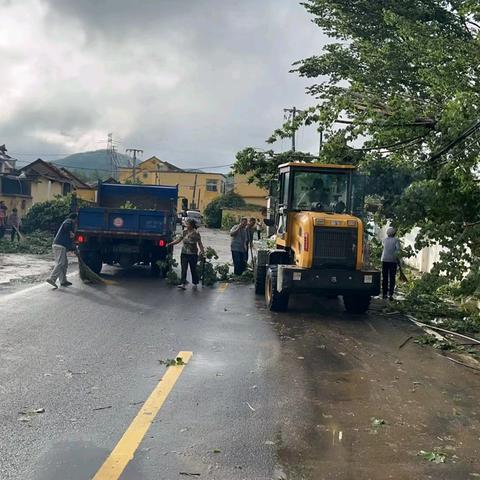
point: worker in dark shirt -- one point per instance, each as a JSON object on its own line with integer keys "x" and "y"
{"x": 62, "y": 243}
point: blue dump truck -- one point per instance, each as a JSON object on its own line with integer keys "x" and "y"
{"x": 129, "y": 224}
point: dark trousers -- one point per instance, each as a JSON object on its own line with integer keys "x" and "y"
{"x": 239, "y": 262}
{"x": 14, "y": 234}
{"x": 389, "y": 272}
{"x": 2, "y": 231}
{"x": 185, "y": 261}
{"x": 259, "y": 233}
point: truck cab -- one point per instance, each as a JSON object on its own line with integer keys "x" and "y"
{"x": 319, "y": 238}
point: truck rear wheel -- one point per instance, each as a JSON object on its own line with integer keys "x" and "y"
{"x": 276, "y": 301}
{"x": 259, "y": 275}
{"x": 93, "y": 260}
{"x": 356, "y": 303}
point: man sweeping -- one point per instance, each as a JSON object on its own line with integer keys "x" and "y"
{"x": 62, "y": 243}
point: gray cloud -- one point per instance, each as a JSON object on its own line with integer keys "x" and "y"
{"x": 190, "y": 81}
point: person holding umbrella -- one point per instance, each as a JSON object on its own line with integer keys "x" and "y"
{"x": 192, "y": 242}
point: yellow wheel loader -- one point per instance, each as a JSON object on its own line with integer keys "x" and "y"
{"x": 319, "y": 239}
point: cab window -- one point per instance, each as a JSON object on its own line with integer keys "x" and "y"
{"x": 320, "y": 191}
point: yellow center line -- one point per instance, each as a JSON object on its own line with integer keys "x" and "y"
{"x": 125, "y": 449}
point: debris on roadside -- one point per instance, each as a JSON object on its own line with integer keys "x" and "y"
{"x": 32, "y": 412}
{"x": 172, "y": 362}
{"x": 405, "y": 342}
{"x": 435, "y": 457}
{"x": 102, "y": 408}
{"x": 378, "y": 422}
{"x": 27, "y": 415}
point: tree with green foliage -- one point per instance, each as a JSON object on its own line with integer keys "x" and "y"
{"x": 397, "y": 91}
{"x": 213, "y": 211}
{"x": 262, "y": 166}
{"x": 48, "y": 216}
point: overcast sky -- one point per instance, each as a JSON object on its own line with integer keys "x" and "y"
{"x": 191, "y": 81}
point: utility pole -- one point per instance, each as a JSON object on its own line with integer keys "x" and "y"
{"x": 320, "y": 147}
{"x": 193, "y": 206}
{"x": 134, "y": 151}
{"x": 291, "y": 113}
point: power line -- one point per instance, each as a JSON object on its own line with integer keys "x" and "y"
{"x": 464, "y": 135}
{"x": 291, "y": 113}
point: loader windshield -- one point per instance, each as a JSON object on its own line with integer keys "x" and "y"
{"x": 321, "y": 192}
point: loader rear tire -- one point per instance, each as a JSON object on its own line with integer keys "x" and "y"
{"x": 276, "y": 301}
{"x": 259, "y": 275}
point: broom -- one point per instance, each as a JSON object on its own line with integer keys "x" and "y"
{"x": 20, "y": 235}
{"x": 87, "y": 275}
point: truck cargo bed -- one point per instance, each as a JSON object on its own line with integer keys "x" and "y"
{"x": 125, "y": 222}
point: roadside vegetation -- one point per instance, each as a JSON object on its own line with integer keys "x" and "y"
{"x": 213, "y": 211}
{"x": 38, "y": 227}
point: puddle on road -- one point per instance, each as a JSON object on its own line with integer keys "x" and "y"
{"x": 74, "y": 461}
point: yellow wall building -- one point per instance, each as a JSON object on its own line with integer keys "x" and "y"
{"x": 199, "y": 188}
{"x": 15, "y": 193}
{"x": 249, "y": 191}
{"x": 49, "y": 181}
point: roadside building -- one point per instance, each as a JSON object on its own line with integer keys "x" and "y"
{"x": 47, "y": 181}
{"x": 199, "y": 188}
{"x": 83, "y": 190}
{"x": 252, "y": 194}
{"x": 15, "y": 192}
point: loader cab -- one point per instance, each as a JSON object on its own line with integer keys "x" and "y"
{"x": 330, "y": 189}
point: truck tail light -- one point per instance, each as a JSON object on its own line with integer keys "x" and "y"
{"x": 161, "y": 243}
{"x": 306, "y": 242}
{"x": 81, "y": 239}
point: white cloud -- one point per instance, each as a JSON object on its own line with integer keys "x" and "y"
{"x": 192, "y": 82}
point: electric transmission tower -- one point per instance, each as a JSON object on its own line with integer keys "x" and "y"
{"x": 112, "y": 157}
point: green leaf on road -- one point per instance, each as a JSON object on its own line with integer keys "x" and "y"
{"x": 172, "y": 362}
{"x": 435, "y": 457}
{"x": 378, "y": 422}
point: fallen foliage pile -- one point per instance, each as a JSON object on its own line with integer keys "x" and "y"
{"x": 35, "y": 243}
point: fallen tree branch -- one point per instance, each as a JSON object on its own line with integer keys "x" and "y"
{"x": 404, "y": 342}
{"x": 426, "y": 325}
{"x": 463, "y": 364}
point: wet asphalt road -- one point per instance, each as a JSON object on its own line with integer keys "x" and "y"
{"x": 265, "y": 396}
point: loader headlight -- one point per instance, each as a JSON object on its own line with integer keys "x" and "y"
{"x": 352, "y": 223}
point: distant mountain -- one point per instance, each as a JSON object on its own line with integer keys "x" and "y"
{"x": 91, "y": 165}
